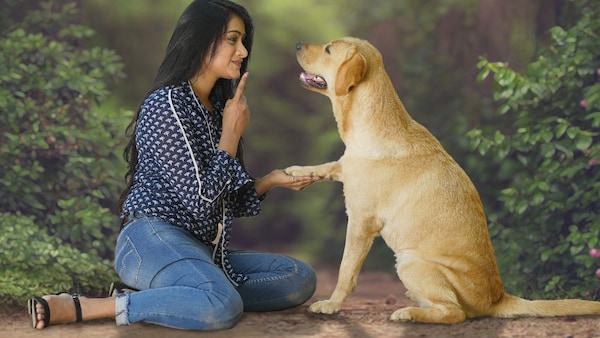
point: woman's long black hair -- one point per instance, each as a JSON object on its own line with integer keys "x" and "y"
{"x": 197, "y": 34}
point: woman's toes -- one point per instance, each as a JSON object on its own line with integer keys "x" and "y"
{"x": 39, "y": 309}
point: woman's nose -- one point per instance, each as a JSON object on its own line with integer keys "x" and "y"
{"x": 242, "y": 51}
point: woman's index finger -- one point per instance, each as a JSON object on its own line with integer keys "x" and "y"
{"x": 241, "y": 86}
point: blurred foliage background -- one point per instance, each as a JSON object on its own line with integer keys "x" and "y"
{"x": 72, "y": 72}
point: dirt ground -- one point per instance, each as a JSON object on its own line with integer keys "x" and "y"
{"x": 364, "y": 314}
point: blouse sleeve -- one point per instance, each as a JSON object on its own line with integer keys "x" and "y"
{"x": 247, "y": 202}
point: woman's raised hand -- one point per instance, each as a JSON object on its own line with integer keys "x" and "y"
{"x": 236, "y": 115}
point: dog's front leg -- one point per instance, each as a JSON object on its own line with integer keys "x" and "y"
{"x": 330, "y": 170}
{"x": 358, "y": 244}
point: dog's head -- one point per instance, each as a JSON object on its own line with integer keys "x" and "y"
{"x": 336, "y": 68}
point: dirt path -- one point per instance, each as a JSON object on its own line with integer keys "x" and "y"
{"x": 365, "y": 315}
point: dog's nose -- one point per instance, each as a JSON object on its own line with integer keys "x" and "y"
{"x": 299, "y": 45}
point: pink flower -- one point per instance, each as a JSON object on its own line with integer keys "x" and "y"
{"x": 598, "y": 71}
{"x": 598, "y": 273}
{"x": 595, "y": 253}
{"x": 583, "y": 103}
{"x": 592, "y": 162}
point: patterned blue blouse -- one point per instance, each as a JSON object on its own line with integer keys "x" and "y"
{"x": 182, "y": 178}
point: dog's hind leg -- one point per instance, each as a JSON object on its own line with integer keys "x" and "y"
{"x": 358, "y": 244}
{"x": 429, "y": 287}
{"x": 437, "y": 313}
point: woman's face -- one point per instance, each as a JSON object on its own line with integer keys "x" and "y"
{"x": 227, "y": 61}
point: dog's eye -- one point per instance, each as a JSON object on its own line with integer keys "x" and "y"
{"x": 327, "y": 49}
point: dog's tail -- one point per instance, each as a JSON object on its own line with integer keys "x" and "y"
{"x": 511, "y": 306}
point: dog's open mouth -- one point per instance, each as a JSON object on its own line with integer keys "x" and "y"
{"x": 313, "y": 80}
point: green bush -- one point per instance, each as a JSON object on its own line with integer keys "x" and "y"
{"x": 59, "y": 169}
{"x": 550, "y": 217}
{"x": 35, "y": 263}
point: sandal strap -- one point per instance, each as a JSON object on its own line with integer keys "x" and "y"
{"x": 77, "y": 307}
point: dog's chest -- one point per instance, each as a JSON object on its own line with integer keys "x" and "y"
{"x": 361, "y": 178}
{"x": 379, "y": 184}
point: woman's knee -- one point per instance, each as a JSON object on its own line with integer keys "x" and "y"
{"x": 217, "y": 310}
{"x": 308, "y": 280}
{"x": 307, "y": 272}
{"x": 229, "y": 313}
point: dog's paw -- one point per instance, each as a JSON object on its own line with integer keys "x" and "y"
{"x": 299, "y": 171}
{"x": 325, "y": 306}
{"x": 402, "y": 315}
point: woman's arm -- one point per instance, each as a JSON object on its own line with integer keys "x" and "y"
{"x": 248, "y": 198}
{"x": 278, "y": 178}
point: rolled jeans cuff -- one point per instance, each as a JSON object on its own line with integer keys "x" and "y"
{"x": 121, "y": 315}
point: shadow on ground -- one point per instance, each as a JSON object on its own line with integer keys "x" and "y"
{"x": 365, "y": 314}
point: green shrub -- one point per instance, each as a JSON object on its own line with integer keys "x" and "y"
{"x": 550, "y": 218}
{"x": 33, "y": 262}
{"x": 59, "y": 169}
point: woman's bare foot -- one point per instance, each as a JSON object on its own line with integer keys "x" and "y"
{"x": 62, "y": 310}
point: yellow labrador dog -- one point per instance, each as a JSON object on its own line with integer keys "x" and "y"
{"x": 400, "y": 184}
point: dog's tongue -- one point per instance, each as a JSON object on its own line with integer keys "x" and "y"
{"x": 313, "y": 80}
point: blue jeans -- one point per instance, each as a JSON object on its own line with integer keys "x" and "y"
{"x": 182, "y": 288}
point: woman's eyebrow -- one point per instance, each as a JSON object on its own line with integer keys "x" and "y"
{"x": 236, "y": 31}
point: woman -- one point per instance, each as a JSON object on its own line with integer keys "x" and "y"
{"x": 186, "y": 182}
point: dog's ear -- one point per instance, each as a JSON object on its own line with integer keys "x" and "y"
{"x": 350, "y": 72}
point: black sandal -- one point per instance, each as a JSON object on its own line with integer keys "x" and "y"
{"x": 32, "y": 309}
{"x": 119, "y": 287}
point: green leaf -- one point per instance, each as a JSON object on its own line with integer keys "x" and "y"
{"x": 483, "y": 74}
{"x": 574, "y": 250}
{"x": 572, "y": 132}
{"x": 595, "y": 117}
{"x": 499, "y": 137}
{"x": 548, "y": 150}
{"x": 593, "y": 241}
{"x": 504, "y": 108}
{"x": 583, "y": 141}
{"x": 545, "y": 255}
{"x": 521, "y": 207}
{"x": 558, "y": 34}
{"x": 561, "y": 129}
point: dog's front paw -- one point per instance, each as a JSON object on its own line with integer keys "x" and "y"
{"x": 325, "y": 306}
{"x": 299, "y": 171}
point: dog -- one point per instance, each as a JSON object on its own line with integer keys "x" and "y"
{"x": 399, "y": 183}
